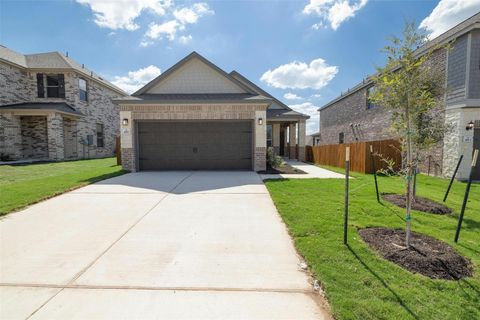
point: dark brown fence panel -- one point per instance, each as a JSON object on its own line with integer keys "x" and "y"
{"x": 360, "y": 161}
{"x": 118, "y": 151}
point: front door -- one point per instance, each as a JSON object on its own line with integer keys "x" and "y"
{"x": 282, "y": 143}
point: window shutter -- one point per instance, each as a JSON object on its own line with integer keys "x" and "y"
{"x": 40, "y": 89}
{"x": 61, "y": 86}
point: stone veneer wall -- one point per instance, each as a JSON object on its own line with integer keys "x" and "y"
{"x": 18, "y": 85}
{"x": 192, "y": 112}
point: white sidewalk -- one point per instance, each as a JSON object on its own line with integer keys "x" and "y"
{"x": 312, "y": 171}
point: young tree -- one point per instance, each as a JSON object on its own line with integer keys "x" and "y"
{"x": 411, "y": 86}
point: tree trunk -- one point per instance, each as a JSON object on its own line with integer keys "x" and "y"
{"x": 409, "y": 179}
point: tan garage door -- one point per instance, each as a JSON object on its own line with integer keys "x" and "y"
{"x": 215, "y": 145}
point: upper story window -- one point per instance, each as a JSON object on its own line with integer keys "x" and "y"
{"x": 370, "y": 105}
{"x": 341, "y": 138}
{"x": 50, "y": 85}
{"x": 269, "y": 135}
{"x": 82, "y": 86}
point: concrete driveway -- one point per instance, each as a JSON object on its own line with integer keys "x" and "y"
{"x": 154, "y": 245}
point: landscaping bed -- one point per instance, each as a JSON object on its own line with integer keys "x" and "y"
{"x": 285, "y": 168}
{"x": 426, "y": 255}
{"x": 420, "y": 204}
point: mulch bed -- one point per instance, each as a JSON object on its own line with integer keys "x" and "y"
{"x": 428, "y": 256}
{"x": 283, "y": 169}
{"x": 420, "y": 204}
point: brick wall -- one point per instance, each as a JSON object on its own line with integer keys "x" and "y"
{"x": 351, "y": 116}
{"x": 20, "y": 85}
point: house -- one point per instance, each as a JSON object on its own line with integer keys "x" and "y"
{"x": 351, "y": 117}
{"x": 313, "y": 139}
{"x": 53, "y": 108}
{"x": 197, "y": 116}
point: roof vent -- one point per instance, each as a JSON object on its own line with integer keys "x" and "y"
{"x": 83, "y": 66}
{"x": 66, "y": 54}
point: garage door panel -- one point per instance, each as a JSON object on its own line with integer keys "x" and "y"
{"x": 195, "y": 145}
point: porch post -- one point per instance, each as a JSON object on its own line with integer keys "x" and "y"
{"x": 293, "y": 141}
{"x": 301, "y": 140}
{"x": 276, "y": 137}
{"x": 55, "y": 135}
{"x": 286, "y": 152}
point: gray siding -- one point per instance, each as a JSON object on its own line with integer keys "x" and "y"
{"x": 474, "y": 81}
{"x": 457, "y": 71}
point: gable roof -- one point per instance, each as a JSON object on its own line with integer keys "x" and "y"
{"x": 178, "y": 65}
{"x": 52, "y": 61}
{"x": 285, "y": 110}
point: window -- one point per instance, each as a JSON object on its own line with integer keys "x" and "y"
{"x": 82, "y": 86}
{"x": 341, "y": 137}
{"x": 51, "y": 84}
{"x": 370, "y": 105}
{"x": 100, "y": 142}
{"x": 269, "y": 135}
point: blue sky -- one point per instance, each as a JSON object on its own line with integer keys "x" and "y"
{"x": 303, "y": 52}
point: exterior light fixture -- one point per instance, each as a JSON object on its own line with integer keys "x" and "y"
{"x": 125, "y": 122}
{"x": 260, "y": 121}
{"x": 470, "y": 125}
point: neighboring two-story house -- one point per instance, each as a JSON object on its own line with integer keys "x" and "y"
{"x": 53, "y": 108}
{"x": 351, "y": 118}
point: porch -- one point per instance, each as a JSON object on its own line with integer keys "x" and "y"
{"x": 286, "y": 133}
{"x": 39, "y": 132}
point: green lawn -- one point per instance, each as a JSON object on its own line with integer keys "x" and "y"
{"x": 26, "y": 184}
{"x": 359, "y": 284}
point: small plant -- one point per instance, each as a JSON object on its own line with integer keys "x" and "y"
{"x": 272, "y": 159}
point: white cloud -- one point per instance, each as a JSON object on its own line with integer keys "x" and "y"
{"x": 447, "y": 14}
{"x": 167, "y": 29}
{"x": 311, "y": 110}
{"x": 185, "y": 39}
{"x": 192, "y": 14}
{"x": 315, "y": 96}
{"x": 333, "y": 12}
{"x": 134, "y": 80}
{"x": 121, "y": 14}
{"x": 182, "y": 18}
{"x": 291, "y": 96}
{"x": 299, "y": 75}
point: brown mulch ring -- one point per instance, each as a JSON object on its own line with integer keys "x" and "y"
{"x": 283, "y": 169}
{"x": 420, "y": 204}
{"x": 428, "y": 256}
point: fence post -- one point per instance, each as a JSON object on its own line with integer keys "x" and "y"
{"x": 347, "y": 173}
{"x": 374, "y": 172}
{"x": 465, "y": 198}
{"x": 453, "y": 178}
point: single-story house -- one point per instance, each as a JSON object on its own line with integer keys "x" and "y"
{"x": 197, "y": 116}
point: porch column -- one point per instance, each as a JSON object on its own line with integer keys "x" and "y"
{"x": 285, "y": 141}
{"x": 55, "y": 137}
{"x": 293, "y": 141}
{"x": 301, "y": 140}
{"x": 276, "y": 137}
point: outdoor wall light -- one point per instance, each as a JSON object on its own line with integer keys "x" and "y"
{"x": 260, "y": 121}
{"x": 125, "y": 122}
{"x": 470, "y": 125}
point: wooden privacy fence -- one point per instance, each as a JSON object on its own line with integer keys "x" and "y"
{"x": 360, "y": 156}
